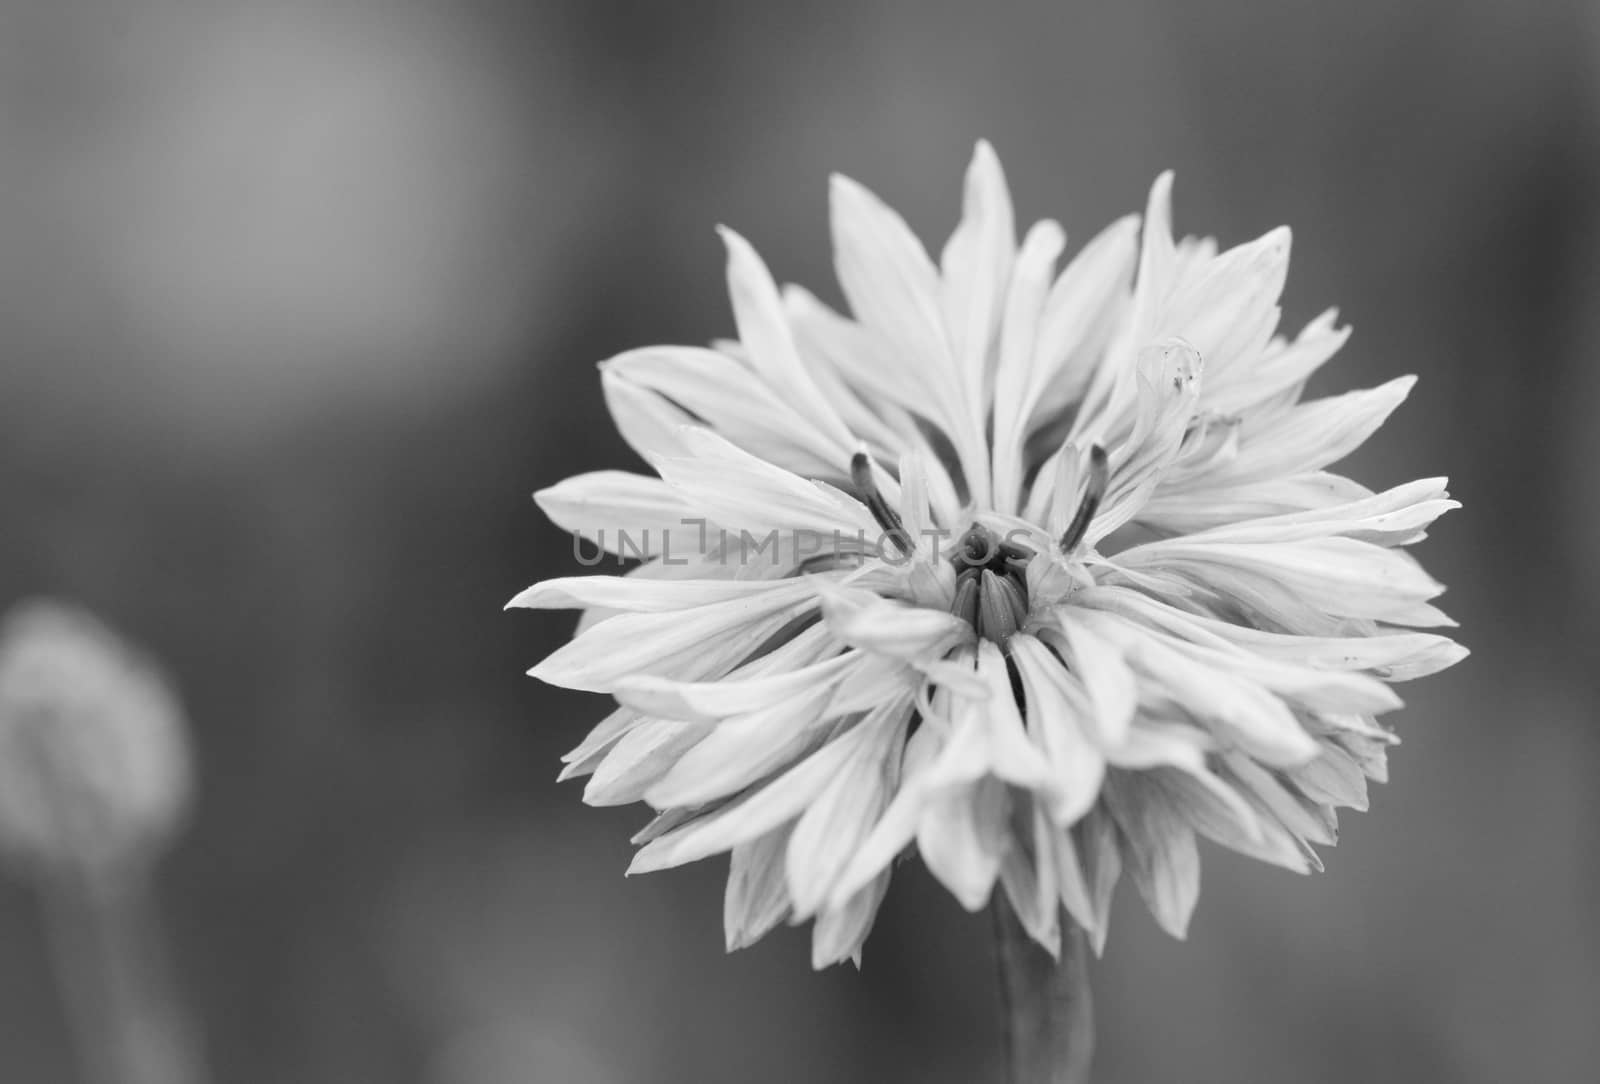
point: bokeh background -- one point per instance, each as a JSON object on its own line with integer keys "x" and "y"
{"x": 300, "y": 300}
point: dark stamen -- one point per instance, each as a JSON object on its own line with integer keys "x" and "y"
{"x": 1001, "y": 610}
{"x": 1093, "y": 493}
{"x": 893, "y": 526}
{"x": 991, "y": 583}
{"x": 980, "y": 547}
{"x": 965, "y": 605}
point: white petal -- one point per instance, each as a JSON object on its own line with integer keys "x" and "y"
{"x": 764, "y": 331}
{"x": 1221, "y": 814}
{"x": 1022, "y": 374}
{"x": 894, "y": 289}
{"x": 583, "y": 759}
{"x": 1062, "y": 489}
{"x": 1162, "y": 743}
{"x": 649, "y": 422}
{"x": 1229, "y": 309}
{"x": 1157, "y": 260}
{"x": 664, "y": 822}
{"x": 706, "y": 387}
{"x": 987, "y": 733}
{"x": 612, "y": 508}
{"x": 1113, "y": 690}
{"x": 890, "y": 283}
{"x": 898, "y": 824}
{"x": 1100, "y": 855}
{"x": 635, "y": 595}
{"x": 700, "y": 643}
{"x": 1165, "y": 862}
{"x": 1015, "y": 759}
{"x": 976, "y": 265}
{"x": 1072, "y": 886}
{"x": 743, "y": 750}
{"x": 827, "y": 835}
{"x": 769, "y": 806}
{"x": 1168, "y": 390}
{"x": 1182, "y": 505}
{"x": 915, "y": 509}
{"x": 757, "y": 898}
{"x": 962, "y": 838}
{"x": 670, "y": 566}
{"x": 640, "y": 757}
{"x": 1312, "y": 435}
{"x": 1322, "y": 577}
{"x": 876, "y": 679}
{"x": 1284, "y": 365}
{"x": 865, "y": 620}
{"x": 1058, "y": 720}
{"x": 753, "y": 498}
{"x": 1370, "y": 752}
{"x": 1334, "y": 778}
{"x": 730, "y": 696}
{"x": 1028, "y": 874}
{"x": 1275, "y": 801}
{"x": 869, "y": 367}
{"x": 1221, "y": 646}
{"x": 1258, "y": 720}
{"x": 840, "y": 930}
{"x": 1388, "y": 518}
{"x": 1089, "y": 300}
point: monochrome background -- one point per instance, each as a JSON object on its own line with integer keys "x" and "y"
{"x": 300, "y": 300}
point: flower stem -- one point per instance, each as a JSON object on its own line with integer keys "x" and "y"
{"x": 1046, "y": 1011}
{"x": 129, "y": 1025}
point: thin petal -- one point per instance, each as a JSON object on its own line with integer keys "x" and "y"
{"x": 695, "y": 386}
{"x": 764, "y": 331}
{"x": 726, "y": 697}
{"x": 1059, "y": 721}
{"x": 865, "y": 620}
{"x": 611, "y": 508}
{"x": 827, "y": 834}
{"x": 1312, "y": 435}
{"x": 898, "y": 824}
{"x": 731, "y": 487}
{"x": 757, "y": 898}
{"x": 741, "y": 751}
{"x": 765, "y": 808}
{"x": 1100, "y": 856}
{"x": 1021, "y": 375}
{"x": 1028, "y": 874}
{"x": 633, "y": 595}
{"x": 701, "y": 643}
{"x": 640, "y": 757}
{"x": 1107, "y": 678}
{"x": 840, "y": 930}
{"x": 1165, "y": 862}
{"x": 962, "y": 838}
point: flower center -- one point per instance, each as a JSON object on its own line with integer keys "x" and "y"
{"x": 991, "y": 583}
{"x": 991, "y": 591}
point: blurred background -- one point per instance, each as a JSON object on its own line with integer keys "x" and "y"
{"x": 299, "y": 302}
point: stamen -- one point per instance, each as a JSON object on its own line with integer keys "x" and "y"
{"x": 887, "y": 518}
{"x": 991, "y": 583}
{"x": 1001, "y": 609}
{"x": 979, "y": 547}
{"x": 1093, "y": 493}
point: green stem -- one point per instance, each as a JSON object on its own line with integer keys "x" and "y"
{"x": 1046, "y": 1011}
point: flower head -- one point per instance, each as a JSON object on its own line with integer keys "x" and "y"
{"x": 1040, "y": 574}
{"x": 94, "y": 760}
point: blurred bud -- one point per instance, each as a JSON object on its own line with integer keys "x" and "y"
{"x": 94, "y": 760}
